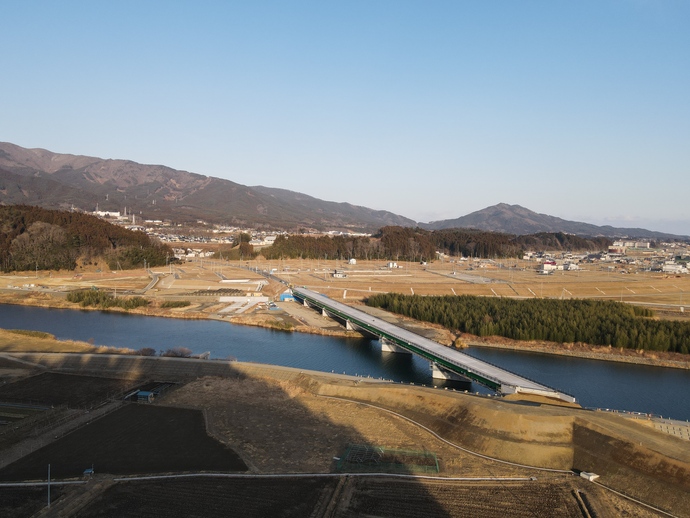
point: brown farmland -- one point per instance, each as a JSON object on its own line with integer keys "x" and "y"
{"x": 134, "y": 439}
{"x": 75, "y": 391}
{"x": 278, "y": 420}
{"x": 345, "y": 498}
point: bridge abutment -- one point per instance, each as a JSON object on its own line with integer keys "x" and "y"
{"x": 389, "y": 347}
{"x": 439, "y": 373}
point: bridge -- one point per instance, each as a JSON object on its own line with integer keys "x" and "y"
{"x": 447, "y": 363}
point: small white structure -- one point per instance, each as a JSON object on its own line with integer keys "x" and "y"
{"x": 547, "y": 267}
{"x": 352, "y": 261}
{"x": 631, "y": 244}
{"x": 589, "y": 476}
{"x": 392, "y": 265}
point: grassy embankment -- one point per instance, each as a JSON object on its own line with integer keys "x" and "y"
{"x": 17, "y": 340}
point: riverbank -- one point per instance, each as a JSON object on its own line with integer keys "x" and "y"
{"x": 296, "y": 318}
{"x": 581, "y": 350}
{"x": 577, "y": 350}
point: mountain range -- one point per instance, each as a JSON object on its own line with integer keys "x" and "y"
{"x": 62, "y": 181}
{"x": 514, "y": 219}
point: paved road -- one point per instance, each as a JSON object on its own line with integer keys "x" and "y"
{"x": 507, "y": 381}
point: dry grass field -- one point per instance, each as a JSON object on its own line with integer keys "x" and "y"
{"x": 512, "y": 278}
{"x": 509, "y": 279}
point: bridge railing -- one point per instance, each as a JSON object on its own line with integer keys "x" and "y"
{"x": 487, "y": 376}
{"x": 451, "y": 361}
{"x": 406, "y": 342}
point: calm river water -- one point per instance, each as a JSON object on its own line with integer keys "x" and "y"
{"x": 599, "y": 384}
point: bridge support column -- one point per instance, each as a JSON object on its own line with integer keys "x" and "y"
{"x": 323, "y": 313}
{"x": 439, "y": 373}
{"x": 349, "y": 326}
{"x": 389, "y": 347}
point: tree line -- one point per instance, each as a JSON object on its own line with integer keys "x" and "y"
{"x": 104, "y": 300}
{"x": 594, "y": 322}
{"x": 416, "y": 244}
{"x": 33, "y": 237}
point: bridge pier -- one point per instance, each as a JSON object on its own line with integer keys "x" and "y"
{"x": 489, "y": 375}
{"x": 439, "y": 373}
{"x": 389, "y": 347}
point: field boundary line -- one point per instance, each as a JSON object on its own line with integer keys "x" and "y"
{"x": 11, "y": 357}
{"x": 494, "y": 459}
{"x": 429, "y": 430}
{"x": 52, "y": 483}
{"x": 627, "y": 497}
{"x": 323, "y": 475}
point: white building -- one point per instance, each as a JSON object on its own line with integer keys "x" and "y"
{"x": 673, "y": 267}
{"x": 106, "y": 214}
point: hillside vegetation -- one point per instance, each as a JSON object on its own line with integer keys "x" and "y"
{"x": 594, "y": 322}
{"x": 416, "y": 244}
{"x": 37, "y": 238}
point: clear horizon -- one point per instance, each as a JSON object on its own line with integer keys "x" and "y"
{"x": 430, "y": 111}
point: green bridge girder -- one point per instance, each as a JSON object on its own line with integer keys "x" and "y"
{"x": 493, "y": 385}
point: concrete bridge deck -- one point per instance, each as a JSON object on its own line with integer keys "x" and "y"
{"x": 445, "y": 358}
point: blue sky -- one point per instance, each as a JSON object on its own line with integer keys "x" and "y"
{"x": 431, "y": 110}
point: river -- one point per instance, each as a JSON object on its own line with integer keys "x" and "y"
{"x": 600, "y": 384}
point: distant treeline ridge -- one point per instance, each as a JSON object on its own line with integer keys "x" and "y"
{"x": 410, "y": 244}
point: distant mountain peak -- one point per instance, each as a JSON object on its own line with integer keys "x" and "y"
{"x": 518, "y": 220}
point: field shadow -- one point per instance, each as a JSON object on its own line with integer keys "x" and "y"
{"x": 227, "y": 418}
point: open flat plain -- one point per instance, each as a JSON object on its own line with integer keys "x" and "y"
{"x": 281, "y": 421}
{"x": 511, "y": 278}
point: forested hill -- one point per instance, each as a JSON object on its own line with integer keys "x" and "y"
{"x": 408, "y": 244}
{"x": 33, "y": 237}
